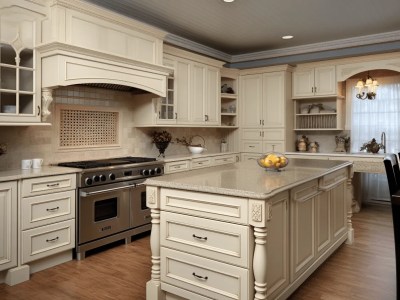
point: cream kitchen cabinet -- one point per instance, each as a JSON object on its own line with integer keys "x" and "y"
{"x": 20, "y": 101}
{"x": 47, "y": 216}
{"x": 8, "y": 225}
{"x": 265, "y": 110}
{"x": 314, "y": 82}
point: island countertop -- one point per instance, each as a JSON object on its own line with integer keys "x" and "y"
{"x": 247, "y": 179}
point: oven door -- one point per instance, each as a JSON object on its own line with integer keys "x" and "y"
{"x": 102, "y": 211}
{"x": 140, "y": 213}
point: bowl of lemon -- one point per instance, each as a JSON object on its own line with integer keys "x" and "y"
{"x": 273, "y": 161}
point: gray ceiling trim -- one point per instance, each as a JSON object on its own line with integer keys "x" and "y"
{"x": 331, "y": 45}
{"x": 196, "y": 47}
{"x": 319, "y": 56}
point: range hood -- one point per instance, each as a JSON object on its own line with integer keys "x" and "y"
{"x": 64, "y": 65}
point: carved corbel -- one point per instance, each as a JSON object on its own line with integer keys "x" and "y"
{"x": 47, "y": 98}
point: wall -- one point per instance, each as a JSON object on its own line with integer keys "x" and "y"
{"x": 41, "y": 141}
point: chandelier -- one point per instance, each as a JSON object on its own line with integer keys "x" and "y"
{"x": 367, "y": 88}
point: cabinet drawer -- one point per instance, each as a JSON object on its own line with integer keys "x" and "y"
{"x": 46, "y": 209}
{"x": 47, "y": 240}
{"x": 251, "y": 134}
{"x": 331, "y": 180}
{"x": 176, "y": 166}
{"x": 213, "y": 239}
{"x": 48, "y": 184}
{"x": 224, "y": 159}
{"x": 201, "y": 162}
{"x": 252, "y": 146}
{"x": 204, "y": 276}
{"x": 273, "y": 134}
{"x": 305, "y": 191}
{"x": 222, "y": 208}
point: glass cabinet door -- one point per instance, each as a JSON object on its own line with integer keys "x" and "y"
{"x": 18, "y": 84}
{"x": 166, "y": 110}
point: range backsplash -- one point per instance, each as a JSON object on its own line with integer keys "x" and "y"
{"x": 41, "y": 141}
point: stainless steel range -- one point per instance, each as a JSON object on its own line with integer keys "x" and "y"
{"x": 111, "y": 201}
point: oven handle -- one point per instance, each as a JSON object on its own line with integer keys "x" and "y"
{"x": 86, "y": 194}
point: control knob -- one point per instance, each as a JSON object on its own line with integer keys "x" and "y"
{"x": 145, "y": 172}
{"x": 102, "y": 177}
{"x": 88, "y": 181}
{"x": 111, "y": 176}
{"x": 96, "y": 178}
{"x": 158, "y": 170}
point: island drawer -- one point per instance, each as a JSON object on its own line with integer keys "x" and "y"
{"x": 305, "y": 191}
{"x": 213, "y": 239}
{"x": 49, "y": 184}
{"x": 201, "y": 162}
{"x": 176, "y": 166}
{"x": 46, "y": 209}
{"x": 204, "y": 276}
{"x": 47, "y": 240}
{"x": 252, "y": 146}
{"x": 331, "y": 180}
{"x": 211, "y": 206}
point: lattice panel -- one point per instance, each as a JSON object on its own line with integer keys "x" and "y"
{"x": 88, "y": 128}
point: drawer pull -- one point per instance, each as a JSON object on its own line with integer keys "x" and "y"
{"x": 177, "y": 167}
{"x": 53, "y": 209}
{"x": 199, "y": 237}
{"x": 52, "y": 240}
{"x": 252, "y": 146}
{"x": 53, "y": 184}
{"x": 199, "y": 277}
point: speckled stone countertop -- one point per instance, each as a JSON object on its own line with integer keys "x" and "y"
{"x": 247, "y": 179}
{"x": 340, "y": 154}
{"x": 178, "y": 157}
{"x": 9, "y": 175}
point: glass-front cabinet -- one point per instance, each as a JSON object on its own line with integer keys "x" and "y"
{"x": 19, "y": 101}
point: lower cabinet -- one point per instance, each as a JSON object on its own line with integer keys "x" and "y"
{"x": 47, "y": 216}
{"x": 8, "y": 225}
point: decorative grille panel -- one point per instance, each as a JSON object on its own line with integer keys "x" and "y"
{"x": 88, "y": 128}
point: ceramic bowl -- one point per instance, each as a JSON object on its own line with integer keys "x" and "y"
{"x": 273, "y": 161}
{"x": 195, "y": 150}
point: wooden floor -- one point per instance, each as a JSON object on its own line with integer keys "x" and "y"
{"x": 364, "y": 270}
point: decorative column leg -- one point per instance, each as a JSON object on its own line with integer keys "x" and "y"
{"x": 260, "y": 263}
{"x": 153, "y": 286}
{"x": 349, "y": 195}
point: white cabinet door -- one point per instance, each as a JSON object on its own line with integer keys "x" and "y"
{"x": 274, "y": 99}
{"x": 198, "y": 94}
{"x": 8, "y": 225}
{"x": 323, "y": 222}
{"x": 339, "y": 213}
{"x": 325, "y": 81}
{"x": 303, "y": 83}
{"x": 182, "y": 91}
{"x": 251, "y": 100}
{"x": 212, "y": 100}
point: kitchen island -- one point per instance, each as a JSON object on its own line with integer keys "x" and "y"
{"x": 240, "y": 232}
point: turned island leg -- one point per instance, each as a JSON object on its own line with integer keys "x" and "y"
{"x": 260, "y": 213}
{"x": 349, "y": 202}
{"x": 153, "y": 286}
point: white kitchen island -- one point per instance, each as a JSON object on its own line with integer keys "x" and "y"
{"x": 240, "y": 232}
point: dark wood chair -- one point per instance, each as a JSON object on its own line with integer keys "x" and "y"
{"x": 393, "y": 177}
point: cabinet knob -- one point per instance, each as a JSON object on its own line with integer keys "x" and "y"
{"x": 206, "y": 117}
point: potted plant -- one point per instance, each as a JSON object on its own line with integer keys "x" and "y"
{"x": 161, "y": 139}
{"x": 194, "y": 148}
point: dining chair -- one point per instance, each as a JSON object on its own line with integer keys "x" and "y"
{"x": 393, "y": 177}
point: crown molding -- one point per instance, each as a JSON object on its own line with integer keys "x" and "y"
{"x": 318, "y": 47}
{"x": 196, "y": 47}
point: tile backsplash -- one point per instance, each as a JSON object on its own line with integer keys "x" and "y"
{"x": 26, "y": 142}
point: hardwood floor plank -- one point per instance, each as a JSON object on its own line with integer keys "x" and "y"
{"x": 362, "y": 271}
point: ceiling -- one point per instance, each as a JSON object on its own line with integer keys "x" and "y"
{"x": 252, "y": 29}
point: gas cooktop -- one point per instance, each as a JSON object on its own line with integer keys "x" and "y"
{"x": 101, "y": 163}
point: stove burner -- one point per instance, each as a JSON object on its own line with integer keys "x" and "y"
{"x": 90, "y": 164}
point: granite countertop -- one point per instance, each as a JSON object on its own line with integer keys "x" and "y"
{"x": 339, "y": 154}
{"x": 247, "y": 179}
{"x": 8, "y": 175}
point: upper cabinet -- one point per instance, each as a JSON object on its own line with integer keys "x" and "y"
{"x": 19, "y": 78}
{"x": 193, "y": 93}
{"x": 314, "y": 82}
